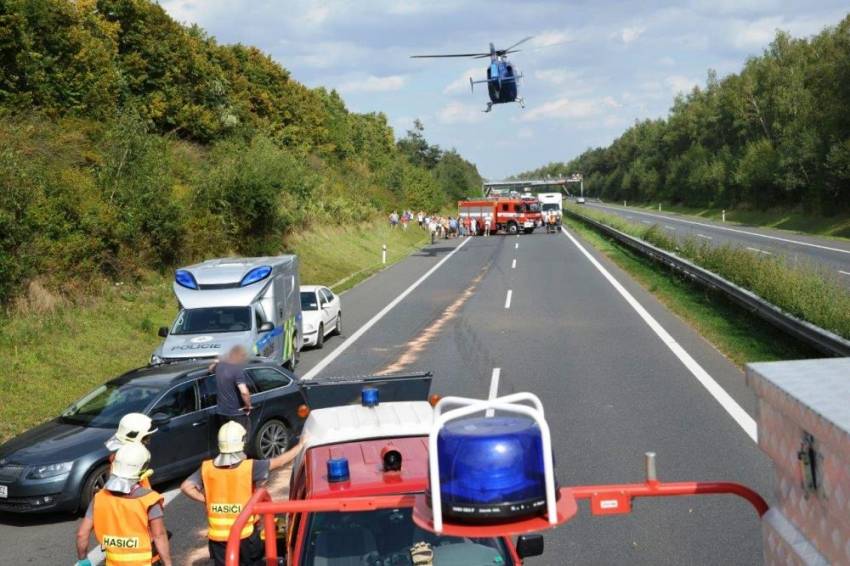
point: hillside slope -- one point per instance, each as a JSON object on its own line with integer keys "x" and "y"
{"x": 129, "y": 143}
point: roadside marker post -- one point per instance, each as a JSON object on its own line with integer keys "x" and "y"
{"x": 384, "y": 254}
{"x": 723, "y": 215}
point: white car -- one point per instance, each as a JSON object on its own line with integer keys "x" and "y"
{"x": 321, "y": 313}
{"x": 580, "y": 200}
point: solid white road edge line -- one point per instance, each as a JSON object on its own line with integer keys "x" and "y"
{"x": 375, "y": 319}
{"x": 96, "y": 556}
{"x": 736, "y": 230}
{"x": 744, "y": 420}
{"x": 494, "y": 389}
{"x": 508, "y": 299}
{"x": 844, "y": 272}
{"x": 704, "y": 237}
{"x": 513, "y": 264}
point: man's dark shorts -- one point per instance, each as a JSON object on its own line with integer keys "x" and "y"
{"x": 250, "y": 551}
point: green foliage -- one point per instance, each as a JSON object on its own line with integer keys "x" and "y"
{"x": 777, "y": 134}
{"x": 131, "y": 142}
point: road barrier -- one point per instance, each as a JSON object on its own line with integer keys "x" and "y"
{"x": 822, "y": 340}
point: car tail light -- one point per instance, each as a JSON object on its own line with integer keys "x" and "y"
{"x": 434, "y": 399}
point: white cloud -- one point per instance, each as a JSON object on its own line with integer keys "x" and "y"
{"x": 551, "y": 37}
{"x": 680, "y": 84}
{"x": 459, "y": 113}
{"x": 667, "y": 61}
{"x": 611, "y": 102}
{"x": 556, "y": 76}
{"x": 525, "y": 133}
{"x": 374, "y": 84}
{"x": 564, "y": 108}
{"x": 461, "y": 84}
{"x": 315, "y": 15}
{"x": 631, "y": 33}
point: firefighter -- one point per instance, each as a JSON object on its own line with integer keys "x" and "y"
{"x": 127, "y": 518}
{"x": 225, "y": 484}
{"x": 132, "y": 428}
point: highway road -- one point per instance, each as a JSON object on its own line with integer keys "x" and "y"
{"x": 831, "y": 255}
{"x": 618, "y": 374}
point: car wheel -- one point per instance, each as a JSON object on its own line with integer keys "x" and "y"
{"x": 338, "y": 328}
{"x": 272, "y": 439}
{"x": 94, "y": 483}
{"x": 320, "y": 337}
{"x": 512, "y": 229}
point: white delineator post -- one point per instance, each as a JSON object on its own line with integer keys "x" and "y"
{"x": 384, "y": 254}
{"x": 804, "y": 427}
{"x": 723, "y": 215}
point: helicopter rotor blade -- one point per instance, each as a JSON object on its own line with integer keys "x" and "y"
{"x": 472, "y": 55}
{"x": 520, "y": 42}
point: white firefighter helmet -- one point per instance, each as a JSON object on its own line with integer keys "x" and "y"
{"x": 231, "y": 438}
{"x": 133, "y": 428}
{"x": 131, "y": 461}
{"x": 231, "y": 444}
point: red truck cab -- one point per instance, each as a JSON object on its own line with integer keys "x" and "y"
{"x": 509, "y": 215}
{"x": 389, "y": 457}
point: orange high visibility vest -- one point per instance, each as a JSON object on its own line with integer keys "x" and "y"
{"x": 122, "y": 528}
{"x": 227, "y": 490}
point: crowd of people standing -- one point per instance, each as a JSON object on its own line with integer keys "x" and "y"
{"x": 441, "y": 227}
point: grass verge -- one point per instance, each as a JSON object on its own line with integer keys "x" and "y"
{"x": 805, "y": 290}
{"x": 739, "y": 335}
{"x": 783, "y": 219}
{"x": 52, "y": 358}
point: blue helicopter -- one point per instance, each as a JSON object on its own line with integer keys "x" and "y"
{"x": 502, "y": 77}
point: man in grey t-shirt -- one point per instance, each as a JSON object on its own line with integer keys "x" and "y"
{"x": 233, "y": 397}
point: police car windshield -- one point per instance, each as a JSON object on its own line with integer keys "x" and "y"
{"x": 386, "y": 536}
{"x": 105, "y": 406}
{"x": 214, "y": 320}
{"x": 308, "y": 301}
{"x": 549, "y": 206}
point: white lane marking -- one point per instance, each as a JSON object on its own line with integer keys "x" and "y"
{"x": 494, "y": 389}
{"x": 375, "y": 319}
{"x": 645, "y": 222}
{"x": 513, "y": 264}
{"x": 508, "y": 299}
{"x": 516, "y": 246}
{"x": 759, "y": 251}
{"x": 726, "y": 401}
{"x": 96, "y": 555}
{"x": 666, "y": 227}
{"x": 704, "y": 237}
{"x": 739, "y": 231}
{"x": 844, "y": 272}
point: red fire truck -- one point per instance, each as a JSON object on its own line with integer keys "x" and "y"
{"x": 507, "y": 214}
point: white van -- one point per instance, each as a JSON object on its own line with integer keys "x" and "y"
{"x": 549, "y": 203}
{"x": 254, "y": 302}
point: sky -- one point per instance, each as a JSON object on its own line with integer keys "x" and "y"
{"x": 591, "y": 69}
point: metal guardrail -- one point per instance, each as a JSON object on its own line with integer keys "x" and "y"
{"x": 822, "y": 340}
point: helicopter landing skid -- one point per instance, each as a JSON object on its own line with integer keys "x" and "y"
{"x": 521, "y": 102}
{"x": 489, "y": 107}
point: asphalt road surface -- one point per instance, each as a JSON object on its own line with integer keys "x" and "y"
{"x": 831, "y": 255}
{"x": 618, "y": 374}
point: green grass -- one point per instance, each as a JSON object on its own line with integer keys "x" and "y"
{"x": 784, "y": 219}
{"x": 50, "y": 359}
{"x": 739, "y": 335}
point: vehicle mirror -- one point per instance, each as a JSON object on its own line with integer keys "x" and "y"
{"x": 266, "y": 327}
{"x": 529, "y": 545}
{"x": 160, "y": 419}
{"x": 163, "y": 332}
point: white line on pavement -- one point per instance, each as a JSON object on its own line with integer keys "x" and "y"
{"x": 494, "y": 389}
{"x": 744, "y": 420}
{"x": 704, "y": 237}
{"x": 375, "y": 319}
{"x": 739, "y": 231}
{"x": 516, "y": 246}
{"x": 645, "y": 222}
{"x": 844, "y": 272}
{"x": 669, "y": 227}
{"x": 513, "y": 264}
{"x": 508, "y": 299}
{"x": 759, "y": 251}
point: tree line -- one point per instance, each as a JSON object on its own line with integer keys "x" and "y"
{"x": 777, "y": 134}
{"x": 129, "y": 141}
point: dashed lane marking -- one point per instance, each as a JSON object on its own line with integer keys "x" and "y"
{"x": 508, "y": 299}
{"x": 513, "y": 264}
{"x": 738, "y": 414}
